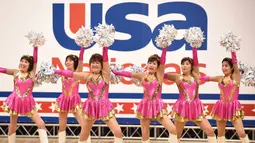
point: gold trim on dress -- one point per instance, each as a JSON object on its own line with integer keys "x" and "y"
{"x": 105, "y": 118}
{"x": 6, "y": 108}
{"x": 101, "y": 94}
{"x": 176, "y": 116}
{"x": 185, "y": 93}
{"x": 75, "y": 109}
{"x": 154, "y": 94}
{"x": 231, "y": 93}
{"x": 239, "y": 114}
{"x": 157, "y": 117}
{"x": 94, "y": 81}
{"x": 17, "y": 90}
{"x": 70, "y": 93}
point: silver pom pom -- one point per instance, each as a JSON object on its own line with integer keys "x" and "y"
{"x": 136, "y": 69}
{"x": 241, "y": 66}
{"x": 35, "y": 39}
{"x": 247, "y": 74}
{"x": 194, "y": 36}
{"x": 166, "y": 36}
{"x": 230, "y": 41}
{"x": 84, "y": 37}
{"x": 105, "y": 35}
{"x": 115, "y": 79}
{"x": 46, "y": 74}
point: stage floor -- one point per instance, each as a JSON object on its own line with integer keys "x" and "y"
{"x": 35, "y": 140}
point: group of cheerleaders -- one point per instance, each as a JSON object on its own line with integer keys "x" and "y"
{"x": 98, "y": 106}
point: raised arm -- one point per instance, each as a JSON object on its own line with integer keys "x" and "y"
{"x": 106, "y": 66}
{"x": 8, "y": 71}
{"x": 76, "y": 75}
{"x": 162, "y": 64}
{"x": 35, "y": 56}
{"x": 195, "y": 61}
{"x": 236, "y": 73}
{"x": 80, "y": 64}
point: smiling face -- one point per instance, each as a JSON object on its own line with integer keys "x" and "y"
{"x": 186, "y": 65}
{"x": 227, "y": 66}
{"x": 96, "y": 63}
{"x": 71, "y": 62}
{"x": 153, "y": 63}
{"x": 26, "y": 63}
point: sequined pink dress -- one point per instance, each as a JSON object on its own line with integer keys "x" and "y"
{"x": 69, "y": 100}
{"x": 98, "y": 105}
{"x": 151, "y": 106}
{"x": 189, "y": 106}
{"x": 228, "y": 107}
{"x": 21, "y": 101}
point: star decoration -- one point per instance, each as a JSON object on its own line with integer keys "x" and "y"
{"x": 134, "y": 108}
{"x": 169, "y": 108}
{"x": 119, "y": 107}
{"x": 206, "y": 109}
{"x": 52, "y": 107}
{"x": 38, "y": 106}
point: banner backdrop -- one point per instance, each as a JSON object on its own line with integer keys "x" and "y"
{"x": 137, "y": 23}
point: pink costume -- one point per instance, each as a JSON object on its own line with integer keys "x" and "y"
{"x": 21, "y": 101}
{"x": 97, "y": 106}
{"x": 70, "y": 99}
{"x": 151, "y": 106}
{"x": 188, "y": 107}
{"x": 228, "y": 107}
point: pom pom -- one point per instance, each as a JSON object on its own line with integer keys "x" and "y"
{"x": 230, "y": 41}
{"x": 35, "y": 39}
{"x": 136, "y": 69}
{"x": 46, "y": 74}
{"x": 84, "y": 37}
{"x": 241, "y": 66}
{"x": 104, "y": 35}
{"x": 115, "y": 79}
{"x": 194, "y": 36}
{"x": 166, "y": 36}
{"x": 247, "y": 74}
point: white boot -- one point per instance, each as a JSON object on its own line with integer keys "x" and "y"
{"x": 43, "y": 136}
{"x": 222, "y": 139}
{"x": 86, "y": 141}
{"x": 147, "y": 141}
{"x": 62, "y": 137}
{"x": 245, "y": 139}
{"x": 118, "y": 140}
{"x": 212, "y": 139}
{"x": 12, "y": 138}
{"x": 89, "y": 139}
{"x": 172, "y": 138}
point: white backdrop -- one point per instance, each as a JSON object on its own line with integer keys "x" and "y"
{"x": 18, "y": 17}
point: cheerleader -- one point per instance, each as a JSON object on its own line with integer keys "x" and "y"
{"x": 228, "y": 108}
{"x": 98, "y": 105}
{"x": 21, "y": 101}
{"x": 69, "y": 100}
{"x": 151, "y": 107}
{"x": 183, "y": 109}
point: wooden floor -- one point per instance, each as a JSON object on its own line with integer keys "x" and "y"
{"x": 35, "y": 140}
